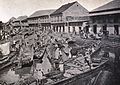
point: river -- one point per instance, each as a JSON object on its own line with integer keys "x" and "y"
{"x": 10, "y": 76}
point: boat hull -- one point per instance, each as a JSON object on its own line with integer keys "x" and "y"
{"x": 27, "y": 64}
{"x": 81, "y": 79}
{"x": 9, "y": 60}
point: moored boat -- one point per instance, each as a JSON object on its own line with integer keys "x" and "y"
{"x": 6, "y": 57}
{"x": 74, "y": 74}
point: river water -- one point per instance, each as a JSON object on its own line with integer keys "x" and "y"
{"x": 10, "y": 76}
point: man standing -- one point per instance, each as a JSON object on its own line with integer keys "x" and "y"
{"x": 88, "y": 59}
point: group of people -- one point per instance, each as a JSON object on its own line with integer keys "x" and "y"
{"x": 90, "y": 35}
{"x": 56, "y": 46}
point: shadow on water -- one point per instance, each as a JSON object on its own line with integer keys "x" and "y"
{"x": 115, "y": 77}
{"x": 113, "y": 66}
{"x": 9, "y": 75}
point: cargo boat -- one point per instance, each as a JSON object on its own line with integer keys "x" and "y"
{"x": 80, "y": 79}
{"x": 8, "y": 61}
{"x": 7, "y": 57}
{"x": 84, "y": 78}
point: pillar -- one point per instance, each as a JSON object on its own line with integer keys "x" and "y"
{"x": 66, "y": 29}
{"x": 111, "y": 30}
{"x": 116, "y": 29}
{"x": 73, "y": 29}
{"x": 80, "y": 30}
{"x": 105, "y": 29}
{"x": 44, "y": 28}
{"x": 60, "y": 29}
{"x": 56, "y": 28}
{"x": 63, "y": 28}
{"x": 95, "y": 29}
{"x": 69, "y": 29}
{"x": 98, "y": 29}
{"x": 77, "y": 29}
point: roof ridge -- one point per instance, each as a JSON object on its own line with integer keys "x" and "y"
{"x": 107, "y": 6}
{"x": 41, "y": 12}
{"x": 63, "y": 8}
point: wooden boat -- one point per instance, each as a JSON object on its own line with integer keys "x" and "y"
{"x": 80, "y": 79}
{"x": 85, "y": 77}
{"x": 23, "y": 63}
{"x": 28, "y": 62}
{"x": 7, "y": 60}
{"x": 26, "y": 81}
{"x": 6, "y": 56}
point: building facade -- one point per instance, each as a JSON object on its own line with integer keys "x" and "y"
{"x": 40, "y": 20}
{"x": 1, "y": 30}
{"x": 24, "y": 24}
{"x": 69, "y": 18}
{"x": 106, "y": 18}
{"x": 20, "y": 24}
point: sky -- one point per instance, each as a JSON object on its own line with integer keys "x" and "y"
{"x": 16, "y": 8}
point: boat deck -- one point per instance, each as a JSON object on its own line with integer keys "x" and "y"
{"x": 76, "y": 74}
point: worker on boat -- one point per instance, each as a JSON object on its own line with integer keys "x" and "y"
{"x": 88, "y": 59}
{"x": 93, "y": 48}
{"x": 56, "y": 57}
{"x": 38, "y": 74}
{"x": 57, "y": 52}
{"x": 67, "y": 50}
{"x": 61, "y": 66}
{"x": 52, "y": 39}
{"x": 79, "y": 61}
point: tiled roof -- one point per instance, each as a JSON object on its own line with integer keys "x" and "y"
{"x": 12, "y": 19}
{"x": 63, "y": 8}
{"x": 113, "y": 5}
{"x": 20, "y": 18}
{"x": 104, "y": 13}
{"x": 41, "y": 13}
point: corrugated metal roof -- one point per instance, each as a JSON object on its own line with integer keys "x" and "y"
{"x": 115, "y": 4}
{"x": 41, "y": 13}
{"x": 63, "y": 8}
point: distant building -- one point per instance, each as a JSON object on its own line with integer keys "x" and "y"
{"x": 106, "y": 18}
{"x": 69, "y": 18}
{"x": 24, "y": 24}
{"x": 1, "y": 25}
{"x": 1, "y": 29}
{"x": 9, "y": 24}
{"x": 20, "y": 24}
{"x": 40, "y": 19}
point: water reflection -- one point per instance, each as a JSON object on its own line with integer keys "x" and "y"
{"x": 11, "y": 76}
